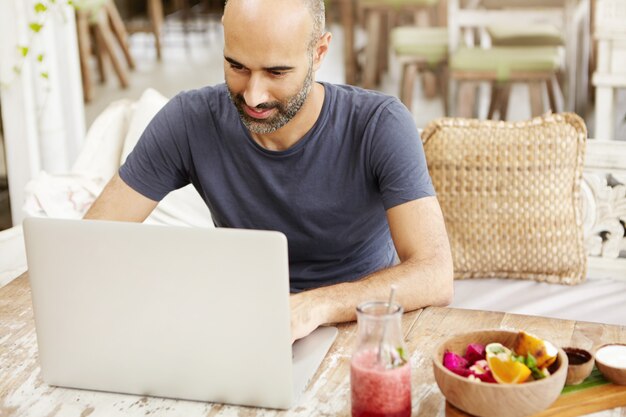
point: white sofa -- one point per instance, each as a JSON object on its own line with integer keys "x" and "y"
{"x": 602, "y": 298}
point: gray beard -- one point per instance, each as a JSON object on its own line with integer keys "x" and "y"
{"x": 285, "y": 113}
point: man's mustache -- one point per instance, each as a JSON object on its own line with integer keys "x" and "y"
{"x": 262, "y": 106}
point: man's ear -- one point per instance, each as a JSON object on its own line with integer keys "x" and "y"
{"x": 321, "y": 49}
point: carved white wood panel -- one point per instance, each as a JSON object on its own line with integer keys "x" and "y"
{"x": 604, "y": 207}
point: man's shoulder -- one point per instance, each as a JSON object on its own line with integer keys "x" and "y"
{"x": 365, "y": 107}
{"x": 359, "y": 101}
{"x": 344, "y": 92}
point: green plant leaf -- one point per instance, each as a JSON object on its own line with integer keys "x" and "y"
{"x": 35, "y": 27}
{"x": 23, "y": 50}
{"x": 40, "y": 57}
{"x": 44, "y": 75}
{"x": 595, "y": 379}
{"x": 401, "y": 353}
{"x": 40, "y": 8}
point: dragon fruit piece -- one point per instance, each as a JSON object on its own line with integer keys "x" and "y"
{"x": 464, "y": 372}
{"x": 474, "y": 353}
{"x": 486, "y": 377}
{"x": 453, "y": 361}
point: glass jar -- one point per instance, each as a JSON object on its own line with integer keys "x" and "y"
{"x": 380, "y": 373}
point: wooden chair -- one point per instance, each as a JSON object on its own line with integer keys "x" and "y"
{"x": 421, "y": 51}
{"x": 379, "y": 17}
{"x": 470, "y": 63}
{"x": 520, "y": 35}
{"x": 539, "y": 35}
{"x": 571, "y": 20}
{"x": 611, "y": 63}
{"x": 102, "y": 19}
{"x": 153, "y": 24}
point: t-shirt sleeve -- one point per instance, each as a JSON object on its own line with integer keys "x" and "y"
{"x": 159, "y": 163}
{"x": 397, "y": 158}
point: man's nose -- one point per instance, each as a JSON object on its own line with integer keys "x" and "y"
{"x": 256, "y": 91}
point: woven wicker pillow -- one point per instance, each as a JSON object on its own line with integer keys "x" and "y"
{"x": 510, "y": 195}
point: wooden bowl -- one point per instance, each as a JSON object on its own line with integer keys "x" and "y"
{"x": 580, "y": 365}
{"x": 496, "y": 400}
{"x": 614, "y": 372}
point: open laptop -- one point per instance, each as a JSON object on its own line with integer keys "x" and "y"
{"x": 198, "y": 314}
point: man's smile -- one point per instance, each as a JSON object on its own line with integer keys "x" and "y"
{"x": 258, "y": 113}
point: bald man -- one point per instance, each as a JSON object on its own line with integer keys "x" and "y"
{"x": 339, "y": 170}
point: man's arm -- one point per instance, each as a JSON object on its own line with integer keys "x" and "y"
{"x": 120, "y": 202}
{"x": 423, "y": 277}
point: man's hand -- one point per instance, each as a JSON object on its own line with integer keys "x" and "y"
{"x": 306, "y": 314}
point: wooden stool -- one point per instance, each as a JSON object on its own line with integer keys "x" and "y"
{"x": 107, "y": 27}
{"x": 501, "y": 67}
{"x": 471, "y": 63}
{"x": 154, "y": 23}
{"x": 421, "y": 51}
{"x": 379, "y": 17}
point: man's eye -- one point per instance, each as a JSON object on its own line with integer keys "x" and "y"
{"x": 278, "y": 73}
{"x": 236, "y": 67}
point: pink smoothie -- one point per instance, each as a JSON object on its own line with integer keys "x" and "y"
{"x": 376, "y": 391}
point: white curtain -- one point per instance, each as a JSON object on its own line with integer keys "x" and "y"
{"x": 44, "y": 122}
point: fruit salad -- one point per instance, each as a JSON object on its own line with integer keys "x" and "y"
{"x": 527, "y": 360}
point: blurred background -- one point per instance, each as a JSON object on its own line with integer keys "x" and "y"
{"x": 495, "y": 59}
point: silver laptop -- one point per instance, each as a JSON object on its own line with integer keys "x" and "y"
{"x": 198, "y": 314}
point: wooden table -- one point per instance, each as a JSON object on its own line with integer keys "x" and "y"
{"x": 22, "y": 392}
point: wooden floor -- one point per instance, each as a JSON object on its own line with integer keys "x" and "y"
{"x": 195, "y": 59}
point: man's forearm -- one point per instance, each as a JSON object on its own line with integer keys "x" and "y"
{"x": 419, "y": 283}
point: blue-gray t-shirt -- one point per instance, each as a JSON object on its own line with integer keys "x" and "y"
{"x": 327, "y": 193}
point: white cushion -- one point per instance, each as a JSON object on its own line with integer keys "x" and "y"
{"x": 183, "y": 207}
{"x": 61, "y": 196}
{"x": 100, "y": 155}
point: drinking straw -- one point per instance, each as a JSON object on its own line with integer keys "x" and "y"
{"x": 392, "y": 292}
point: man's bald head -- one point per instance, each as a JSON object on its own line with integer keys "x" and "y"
{"x": 317, "y": 12}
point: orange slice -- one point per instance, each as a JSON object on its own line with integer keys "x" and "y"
{"x": 544, "y": 352}
{"x": 508, "y": 372}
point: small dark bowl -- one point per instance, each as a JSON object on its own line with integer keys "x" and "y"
{"x": 580, "y": 365}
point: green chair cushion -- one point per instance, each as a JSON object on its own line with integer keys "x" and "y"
{"x": 504, "y": 60}
{"x": 534, "y": 35}
{"x": 399, "y": 3}
{"x": 428, "y": 43}
{"x": 89, "y": 5}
